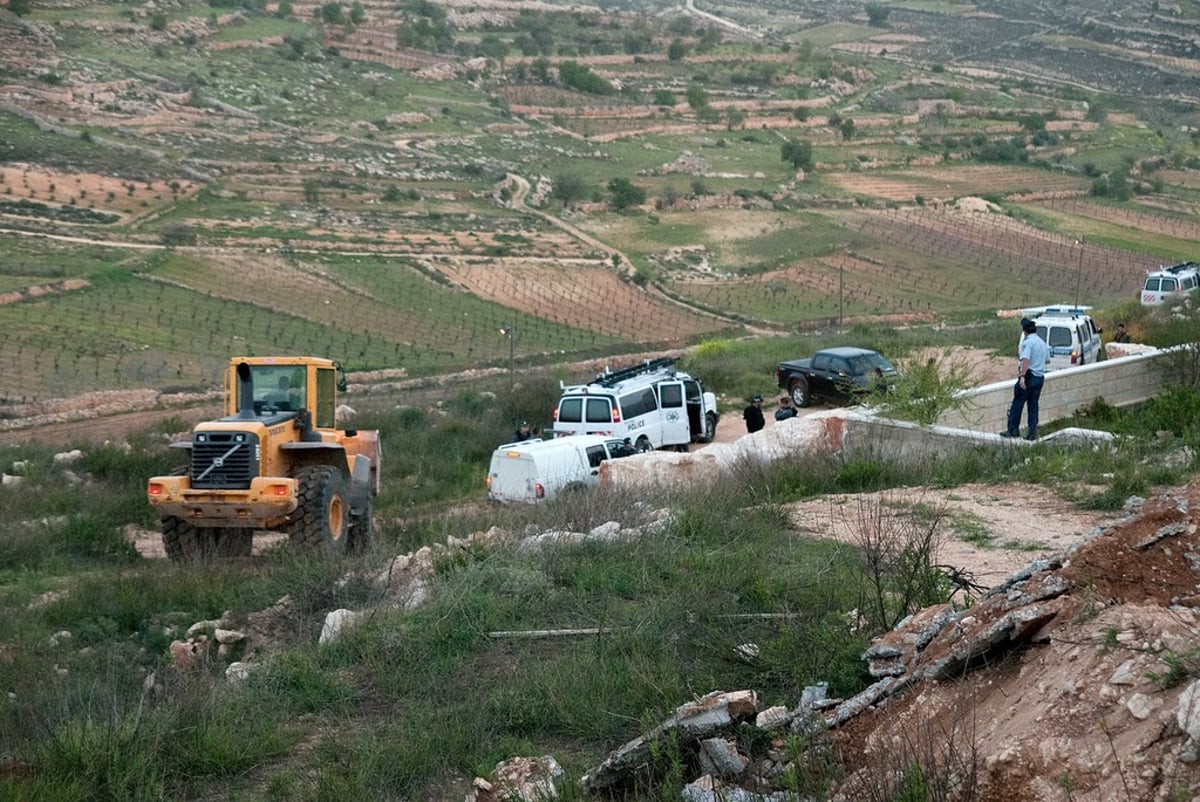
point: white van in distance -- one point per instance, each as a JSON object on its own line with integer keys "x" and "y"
{"x": 538, "y": 470}
{"x": 651, "y": 404}
{"x": 1170, "y": 283}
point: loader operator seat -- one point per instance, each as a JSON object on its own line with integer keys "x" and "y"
{"x": 282, "y": 399}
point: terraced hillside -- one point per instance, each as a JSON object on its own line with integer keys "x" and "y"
{"x": 396, "y": 184}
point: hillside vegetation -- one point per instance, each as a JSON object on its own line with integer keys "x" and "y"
{"x": 394, "y": 184}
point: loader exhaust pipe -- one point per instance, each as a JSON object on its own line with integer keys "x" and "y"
{"x": 245, "y": 392}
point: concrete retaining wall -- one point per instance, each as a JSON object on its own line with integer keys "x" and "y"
{"x": 854, "y": 433}
{"x": 1120, "y": 381}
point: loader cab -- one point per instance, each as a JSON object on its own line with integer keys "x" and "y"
{"x": 267, "y": 387}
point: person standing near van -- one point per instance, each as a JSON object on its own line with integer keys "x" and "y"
{"x": 1121, "y": 336}
{"x": 1031, "y": 375}
{"x": 523, "y": 433}
{"x": 753, "y": 415}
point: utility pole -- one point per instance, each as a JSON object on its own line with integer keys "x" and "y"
{"x": 841, "y": 297}
{"x": 1079, "y": 270}
{"x": 508, "y": 331}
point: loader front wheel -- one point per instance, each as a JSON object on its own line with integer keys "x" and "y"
{"x": 321, "y": 523}
{"x": 184, "y": 542}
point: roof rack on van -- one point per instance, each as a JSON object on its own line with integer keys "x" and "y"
{"x": 1181, "y": 267}
{"x": 610, "y": 378}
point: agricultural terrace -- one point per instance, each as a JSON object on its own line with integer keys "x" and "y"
{"x": 24, "y": 187}
{"x": 179, "y": 186}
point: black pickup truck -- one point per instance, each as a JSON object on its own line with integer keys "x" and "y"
{"x": 841, "y": 375}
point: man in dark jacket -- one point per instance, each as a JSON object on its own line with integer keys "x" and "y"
{"x": 523, "y": 432}
{"x": 753, "y": 415}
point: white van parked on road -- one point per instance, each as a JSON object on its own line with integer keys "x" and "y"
{"x": 651, "y": 404}
{"x": 538, "y": 470}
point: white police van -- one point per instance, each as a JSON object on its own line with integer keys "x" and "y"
{"x": 537, "y": 470}
{"x": 1072, "y": 335}
{"x": 1170, "y": 283}
{"x": 651, "y": 404}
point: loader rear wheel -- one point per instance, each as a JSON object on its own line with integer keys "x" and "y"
{"x": 184, "y": 542}
{"x": 360, "y": 530}
{"x": 321, "y": 523}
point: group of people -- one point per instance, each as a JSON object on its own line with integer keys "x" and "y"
{"x": 756, "y": 420}
{"x": 1032, "y": 356}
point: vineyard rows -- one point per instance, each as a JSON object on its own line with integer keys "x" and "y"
{"x": 1013, "y": 253}
{"x": 586, "y": 295}
{"x": 1168, "y": 225}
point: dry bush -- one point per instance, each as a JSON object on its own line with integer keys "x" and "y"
{"x": 898, "y": 543}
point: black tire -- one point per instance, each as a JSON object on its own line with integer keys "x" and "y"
{"x": 710, "y": 428}
{"x": 185, "y": 543}
{"x": 234, "y": 543}
{"x": 643, "y": 445}
{"x": 798, "y": 390}
{"x": 321, "y": 524}
{"x": 361, "y": 529}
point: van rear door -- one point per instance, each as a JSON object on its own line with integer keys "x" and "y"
{"x": 671, "y": 400}
{"x": 512, "y": 477}
{"x": 584, "y": 414}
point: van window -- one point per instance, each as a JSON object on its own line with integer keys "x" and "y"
{"x": 672, "y": 395}
{"x": 570, "y": 410}
{"x": 637, "y": 403}
{"x": 1152, "y": 284}
{"x": 596, "y": 455}
{"x": 599, "y": 410}
{"x": 1056, "y": 337}
{"x": 1169, "y": 285}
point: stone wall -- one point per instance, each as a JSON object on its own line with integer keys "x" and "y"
{"x": 1119, "y": 380}
{"x": 856, "y": 433}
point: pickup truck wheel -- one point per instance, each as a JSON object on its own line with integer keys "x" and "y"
{"x": 710, "y": 427}
{"x": 360, "y": 530}
{"x": 184, "y": 542}
{"x": 321, "y": 523}
{"x": 798, "y": 389}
